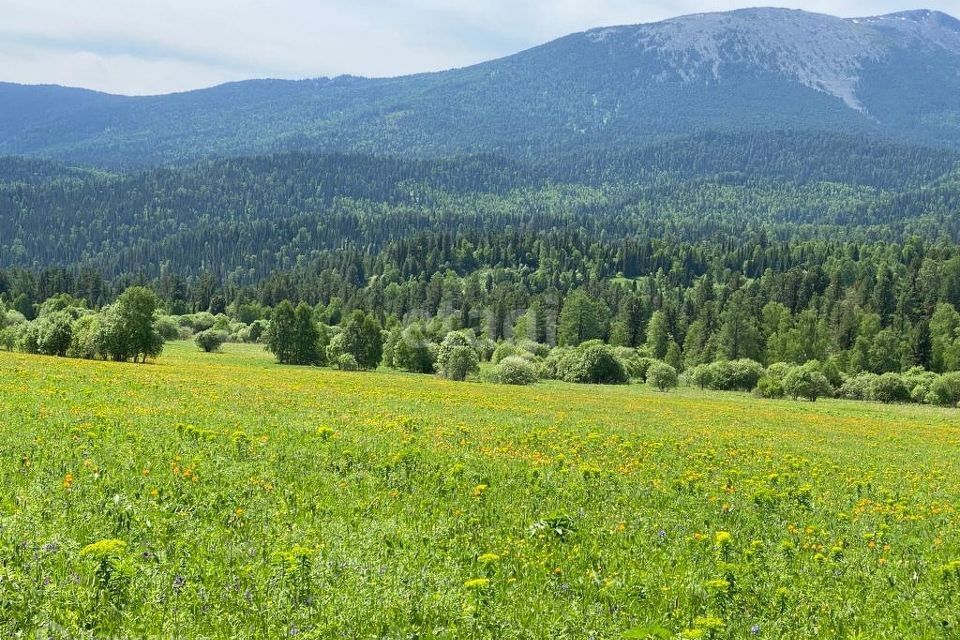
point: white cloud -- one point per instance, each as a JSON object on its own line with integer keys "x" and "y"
{"x": 155, "y": 46}
{"x": 114, "y": 74}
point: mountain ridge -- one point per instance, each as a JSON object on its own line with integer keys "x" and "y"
{"x": 891, "y": 76}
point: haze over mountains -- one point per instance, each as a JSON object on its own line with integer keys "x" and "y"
{"x": 895, "y": 77}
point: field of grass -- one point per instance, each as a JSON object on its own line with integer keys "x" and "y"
{"x": 215, "y": 496}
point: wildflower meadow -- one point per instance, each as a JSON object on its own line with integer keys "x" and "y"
{"x": 224, "y": 496}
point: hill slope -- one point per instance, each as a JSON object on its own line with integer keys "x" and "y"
{"x": 252, "y": 216}
{"x": 892, "y": 76}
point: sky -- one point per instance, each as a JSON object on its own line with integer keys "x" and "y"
{"x": 140, "y": 47}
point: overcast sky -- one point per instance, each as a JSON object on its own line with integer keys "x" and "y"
{"x": 159, "y": 46}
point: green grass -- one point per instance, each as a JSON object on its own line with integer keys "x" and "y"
{"x": 259, "y": 501}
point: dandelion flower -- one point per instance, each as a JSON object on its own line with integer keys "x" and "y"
{"x": 709, "y": 623}
{"x": 720, "y": 585}
{"x": 476, "y": 583}
{"x": 104, "y": 548}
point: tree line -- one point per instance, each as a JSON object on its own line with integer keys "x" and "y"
{"x": 128, "y": 329}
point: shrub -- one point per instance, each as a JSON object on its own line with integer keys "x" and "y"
{"x": 779, "y": 370}
{"x": 335, "y": 349}
{"x": 413, "y": 351}
{"x": 258, "y": 329}
{"x": 515, "y": 370}
{"x": 662, "y": 376}
{"x": 831, "y": 372}
{"x": 632, "y": 363}
{"x": 857, "y": 387}
{"x": 461, "y": 363}
{"x": 211, "y": 340}
{"x": 242, "y": 334}
{"x": 346, "y": 362}
{"x": 63, "y": 303}
{"x": 771, "y": 384}
{"x": 11, "y": 318}
{"x": 484, "y": 348}
{"x": 744, "y": 375}
{"x": 806, "y": 382}
{"x": 390, "y": 342}
{"x": 222, "y": 322}
{"x": 8, "y": 338}
{"x": 536, "y": 348}
{"x": 889, "y": 387}
{"x": 769, "y": 387}
{"x": 28, "y": 338}
{"x": 503, "y": 350}
{"x": 645, "y": 362}
{"x": 167, "y": 327}
{"x": 251, "y": 333}
{"x": 598, "y": 365}
{"x": 198, "y": 321}
{"x": 701, "y": 376}
{"x": 919, "y": 381}
{"x": 456, "y": 357}
{"x": 54, "y": 332}
{"x": 83, "y": 343}
{"x": 591, "y": 362}
{"x": 945, "y": 390}
{"x": 722, "y": 373}
{"x": 554, "y": 364}
{"x": 529, "y": 357}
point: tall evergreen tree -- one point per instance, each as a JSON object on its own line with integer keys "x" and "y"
{"x": 884, "y": 296}
{"x": 658, "y": 335}
{"x": 581, "y": 319}
{"x": 739, "y": 331}
{"x": 627, "y": 329}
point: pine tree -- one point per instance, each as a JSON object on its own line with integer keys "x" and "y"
{"x": 920, "y": 352}
{"x": 884, "y": 298}
{"x": 580, "y": 320}
{"x": 627, "y": 330}
{"x": 658, "y": 335}
{"x": 943, "y": 334}
{"x": 739, "y": 333}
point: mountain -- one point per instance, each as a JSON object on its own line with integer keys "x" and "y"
{"x": 895, "y": 76}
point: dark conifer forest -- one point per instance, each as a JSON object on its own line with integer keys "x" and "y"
{"x": 774, "y": 247}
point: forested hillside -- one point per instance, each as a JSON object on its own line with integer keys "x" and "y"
{"x": 775, "y": 248}
{"x": 242, "y": 219}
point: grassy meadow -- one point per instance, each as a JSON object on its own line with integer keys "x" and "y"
{"x": 224, "y": 496}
